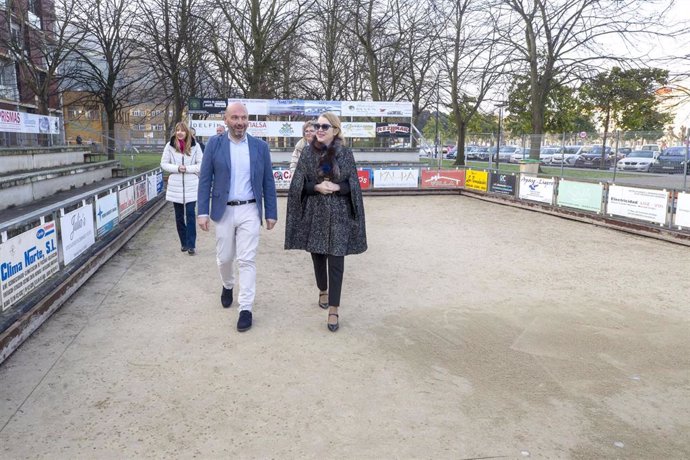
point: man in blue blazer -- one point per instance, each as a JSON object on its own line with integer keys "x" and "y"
{"x": 236, "y": 179}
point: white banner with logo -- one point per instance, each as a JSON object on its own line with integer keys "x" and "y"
{"x": 275, "y": 128}
{"x": 537, "y": 188}
{"x": 22, "y": 122}
{"x": 206, "y": 128}
{"x": 682, "y": 219}
{"x": 638, "y": 203}
{"x": 76, "y": 232}
{"x": 254, "y": 106}
{"x": 396, "y": 178}
{"x": 26, "y": 261}
{"x": 127, "y": 204}
{"x": 282, "y": 178}
{"x": 376, "y": 109}
{"x": 106, "y": 213}
{"x": 151, "y": 187}
{"x": 354, "y": 129}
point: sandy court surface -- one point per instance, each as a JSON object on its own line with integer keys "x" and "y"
{"x": 468, "y": 330}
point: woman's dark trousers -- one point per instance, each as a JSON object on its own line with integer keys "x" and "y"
{"x": 329, "y": 275}
{"x": 186, "y": 230}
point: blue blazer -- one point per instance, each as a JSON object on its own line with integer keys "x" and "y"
{"x": 214, "y": 178}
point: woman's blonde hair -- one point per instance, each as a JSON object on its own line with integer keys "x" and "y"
{"x": 307, "y": 124}
{"x": 187, "y": 138}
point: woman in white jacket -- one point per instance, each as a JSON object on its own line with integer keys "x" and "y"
{"x": 182, "y": 159}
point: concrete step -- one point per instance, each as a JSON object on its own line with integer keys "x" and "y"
{"x": 25, "y": 187}
{"x": 17, "y": 160}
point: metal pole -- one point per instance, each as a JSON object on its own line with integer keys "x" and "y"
{"x": 685, "y": 166}
{"x": 498, "y": 141}
{"x": 562, "y": 153}
{"x": 436, "y": 152}
{"x": 615, "y": 155}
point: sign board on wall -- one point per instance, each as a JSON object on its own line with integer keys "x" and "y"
{"x": 443, "y": 178}
{"x": 503, "y": 184}
{"x": 682, "y": 217}
{"x": 364, "y": 176}
{"x": 106, "y": 213}
{"x": 127, "y": 203}
{"x": 476, "y": 180}
{"x": 393, "y": 130}
{"x": 140, "y": 194}
{"x": 537, "y": 188}
{"x": 282, "y": 178}
{"x": 580, "y": 195}
{"x": 396, "y": 178}
{"x": 76, "y": 232}
{"x": 638, "y": 203}
{"x": 26, "y": 261}
{"x": 22, "y": 122}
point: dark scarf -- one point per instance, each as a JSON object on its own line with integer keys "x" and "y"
{"x": 328, "y": 166}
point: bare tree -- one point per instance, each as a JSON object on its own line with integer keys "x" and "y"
{"x": 249, "y": 39}
{"x": 560, "y": 41}
{"x": 107, "y": 64}
{"x": 171, "y": 34}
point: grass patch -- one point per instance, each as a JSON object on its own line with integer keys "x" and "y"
{"x": 140, "y": 162}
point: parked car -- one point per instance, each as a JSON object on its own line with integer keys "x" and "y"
{"x": 452, "y": 154}
{"x": 670, "y": 160}
{"x": 567, "y": 156}
{"x": 482, "y": 153}
{"x": 505, "y": 153}
{"x": 652, "y": 147}
{"x": 519, "y": 155}
{"x": 546, "y": 153}
{"x": 637, "y": 160}
{"x": 624, "y": 151}
{"x": 425, "y": 152}
{"x": 591, "y": 157}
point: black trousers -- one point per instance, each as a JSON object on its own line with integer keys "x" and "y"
{"x": 329, "y": 275}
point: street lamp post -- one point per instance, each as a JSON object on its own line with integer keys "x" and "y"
{"x": 498, "y": 141}
{"x": 436, "y": 139}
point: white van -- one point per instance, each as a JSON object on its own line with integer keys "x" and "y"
{"x": 652, "y": 147}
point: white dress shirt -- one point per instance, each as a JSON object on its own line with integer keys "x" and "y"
{"x": 241, "y": 180}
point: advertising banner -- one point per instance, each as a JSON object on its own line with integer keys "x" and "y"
{"x": 207, "y": 106}
{"x": 106, "y": 213}
{"x": 140, "y": 194}
{"x": 22, "y": 122}
{"x": 393, "y": 130}
{"x": 151, "y": 187}
{"x": 275, "y": 128}
{"x": 316, "y": 108}
{"x": 254, "y": 106}
{"x": 537, "y": 188}
{"x": 580, "y": 195}
{"x": 206, "y": 128}
{"x": 682, "y": 217}
{"x": 76, "y": 232}
{"x": 159, "y": 183}
{"x": 638, "y": 203}
{"x": 127, "y": 204}
{"x": 26, "y": 261}
{"x": 376, "y": 109}
{"x": 476, "y": 180}
{"x": 364, "y": 176}
{"x": 354, "y": 129}
{"x": 503, "y": 184}
{"x": 444, "y": 178}
{"x": 282, "y": 178}
{"x": 396, "y": 178}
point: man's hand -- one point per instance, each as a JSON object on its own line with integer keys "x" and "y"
{"x": 203, "y": 222}
{"x": 270, "y": 223}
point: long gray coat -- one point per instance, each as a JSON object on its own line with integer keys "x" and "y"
{"x": 325, "y": 224}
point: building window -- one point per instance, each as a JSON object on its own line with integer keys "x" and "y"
{"x": 139, "y": 127}
{"x": 138, "y": 113}
{"x": 156, "y": 113}
{"x": 8, "y": 81}
{"x": 156, "y": 127}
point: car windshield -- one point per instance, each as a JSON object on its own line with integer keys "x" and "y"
{"x": 549, "y": 151}
{"x": 675, "y": 152}
{"x": 572, "y": 149}
{"x": 641, "y": 154}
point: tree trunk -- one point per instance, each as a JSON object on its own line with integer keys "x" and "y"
{"x": 602, "y": 165}
{"x": 460, "y": 152}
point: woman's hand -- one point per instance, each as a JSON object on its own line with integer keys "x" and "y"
{"x": 182, "y": 168}
{"x": 327, "y": 187}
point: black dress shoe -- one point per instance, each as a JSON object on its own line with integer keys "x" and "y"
{"x": 191, "y": 251}
{"x": 226, "y": 298}
{"x": 244, "y": 323}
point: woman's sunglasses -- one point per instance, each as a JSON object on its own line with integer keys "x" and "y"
{"x": 323, "y": 127}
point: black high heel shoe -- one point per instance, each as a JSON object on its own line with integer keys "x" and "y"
{"x": 333, "y": 327}
{"x": 323, "y": 299}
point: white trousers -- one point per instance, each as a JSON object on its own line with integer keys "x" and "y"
{"x": 237, "y": 238}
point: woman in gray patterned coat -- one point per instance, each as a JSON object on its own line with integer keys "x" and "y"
{"x": 325, "y": 211}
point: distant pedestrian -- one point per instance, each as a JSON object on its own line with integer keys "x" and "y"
{"x": 79, "y": 140}
{"x": 182, "y": 158}
{"x": 307, "y": 137}
{"x": 220, "y": 129}
{"x": 198, "y": 140}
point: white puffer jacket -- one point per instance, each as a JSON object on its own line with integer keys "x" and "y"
{"x": 182, "y": 187}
